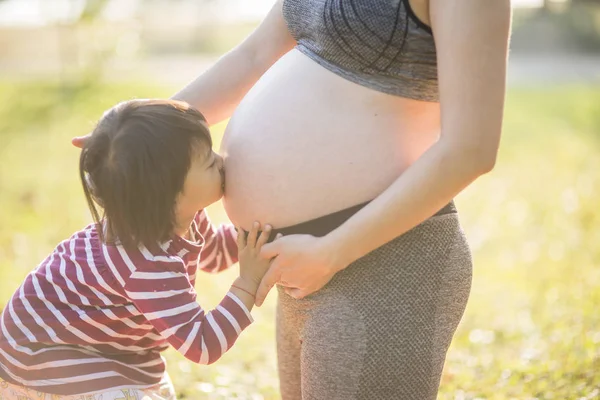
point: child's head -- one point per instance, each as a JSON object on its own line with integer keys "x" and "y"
{"x": 149, "y": 165}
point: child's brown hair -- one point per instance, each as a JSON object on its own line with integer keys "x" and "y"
{"x": 134, "y": 166}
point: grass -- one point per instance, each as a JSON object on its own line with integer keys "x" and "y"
{"x": 532, "y": 326}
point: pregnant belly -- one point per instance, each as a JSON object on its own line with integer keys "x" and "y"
{"x": 304, "y": 143}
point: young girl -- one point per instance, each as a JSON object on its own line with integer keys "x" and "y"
{"x": 90, "y": 321}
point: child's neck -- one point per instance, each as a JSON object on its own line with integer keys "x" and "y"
{"x": 184, "y": 226}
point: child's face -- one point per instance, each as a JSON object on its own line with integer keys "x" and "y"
{"x": 204, "y": 183}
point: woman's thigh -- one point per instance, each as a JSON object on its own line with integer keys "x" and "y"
{"x": 381, "y": 328}
{"x": 288, "y": 323}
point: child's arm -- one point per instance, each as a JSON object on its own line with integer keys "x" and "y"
{"x": 163, "y": 293}
{"x": 161, "y": 290}
{"x": 220, "y": 249}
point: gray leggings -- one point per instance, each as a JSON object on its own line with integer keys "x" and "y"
{"x": 381, "y": 328}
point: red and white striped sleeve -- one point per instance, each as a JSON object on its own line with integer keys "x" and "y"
{"x": 220, "y": 248}
{"x": 162, "y": 291}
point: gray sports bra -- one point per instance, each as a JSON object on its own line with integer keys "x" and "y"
{"x": 380, "y": 44}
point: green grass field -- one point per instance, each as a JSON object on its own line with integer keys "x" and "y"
{"x": 532, "y": 327}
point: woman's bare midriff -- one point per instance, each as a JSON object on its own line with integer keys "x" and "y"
{"x": 305, "y": 142}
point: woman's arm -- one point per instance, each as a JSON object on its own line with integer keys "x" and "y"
{"x": 219, "y": 90}
{"x": 472, "y": 43}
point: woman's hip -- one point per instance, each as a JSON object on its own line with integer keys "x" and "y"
{"x": 431, "y": 263}
{"x": 381, "y": 328}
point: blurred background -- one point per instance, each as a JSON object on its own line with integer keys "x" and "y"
{"x": 532, "y": 327}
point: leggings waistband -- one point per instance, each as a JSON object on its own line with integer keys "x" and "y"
{"x": 321, "y": 226}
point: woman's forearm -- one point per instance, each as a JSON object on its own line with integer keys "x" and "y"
{"x": 424, "y": 188}
{"x": 219, "y": 90}
{"x": 472, "y": 50}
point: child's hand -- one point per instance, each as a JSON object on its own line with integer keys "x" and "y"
{"x": 252, "y": 266}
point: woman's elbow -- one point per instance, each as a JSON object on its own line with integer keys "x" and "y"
{"x": 486, "y": 161}
{"x": 475, "y": 159}
{"x": 480, "y": 160}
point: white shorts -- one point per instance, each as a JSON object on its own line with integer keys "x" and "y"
{"x": 161, "y": 391}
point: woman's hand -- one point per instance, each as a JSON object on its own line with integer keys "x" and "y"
{"x": 302, "y": 263}
{"x": 79, "y": 141}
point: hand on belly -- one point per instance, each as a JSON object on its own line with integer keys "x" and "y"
{"x": 302, "y": 263}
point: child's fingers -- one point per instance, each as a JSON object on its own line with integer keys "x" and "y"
{"x": 279, "y": 236}
{"x": 264, "y": 237}
{"x": 251, "y": 241}
{"x": 241, "y": 237}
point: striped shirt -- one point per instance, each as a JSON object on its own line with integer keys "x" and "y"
{"x": 93, "y": 317}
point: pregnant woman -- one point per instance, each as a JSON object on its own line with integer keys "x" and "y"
{"x": 356, "y": 123}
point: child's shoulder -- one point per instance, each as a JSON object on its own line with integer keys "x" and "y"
{"x": 85, "y": 239}
{"x": 81, "y": 248}
{"x": 87, "y": 243}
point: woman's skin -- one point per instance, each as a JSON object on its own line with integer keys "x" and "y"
{"x": 304, "y": 142}
{"x": 472, "y": 45}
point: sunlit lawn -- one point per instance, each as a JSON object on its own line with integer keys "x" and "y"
{"x": 532, "y": 327}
